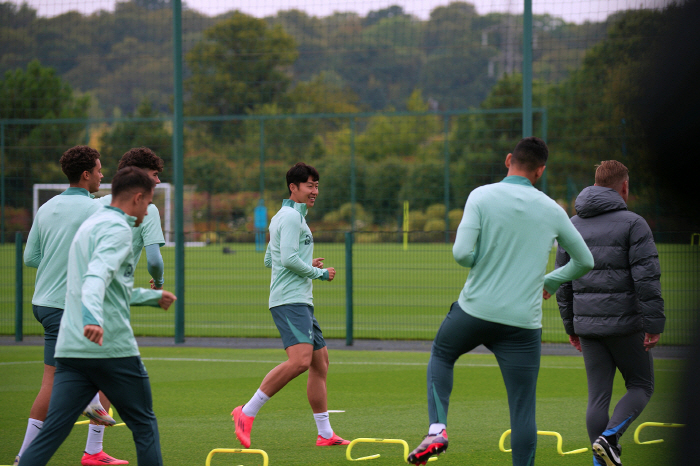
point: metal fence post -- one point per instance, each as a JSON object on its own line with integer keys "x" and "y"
{"x": 353, "y": 187}
{"x": 2, "y": 183}
{"x": 19, "y": 287}
{"x": 527, "y": 69}
{"x": 348, "y": 289}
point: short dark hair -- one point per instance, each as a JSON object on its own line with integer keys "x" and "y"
{"x": 611, "y": 174}
{"x": 300, "y": 173}
{"x": 530, "y": 153}
{"x": 77, "y": 160}
{"x": 141, "y": 157}
{"x": 131, "y": 180}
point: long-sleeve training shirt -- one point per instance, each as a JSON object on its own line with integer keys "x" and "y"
{"x": 100, "y": 280}
{"x": 49, "y": 240}
{"x": 505, "y": 236}
{"x": 289, "y": 254}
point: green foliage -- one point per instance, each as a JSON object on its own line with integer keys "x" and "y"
{"x": 126, "y": 135}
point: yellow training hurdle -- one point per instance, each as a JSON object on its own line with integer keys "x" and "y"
{"x": 348, "y": 454}
{"x": 652, "y": 424}
{"x": 266, "y": 460}
{"x": 560, "y": 441}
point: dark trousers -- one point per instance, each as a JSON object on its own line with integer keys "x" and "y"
{"x": 602, "y": 357}
{"x": 518, "y": 353}
{"x": 126, "y": 384}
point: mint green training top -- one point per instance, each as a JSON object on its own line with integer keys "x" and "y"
{"x": 289, "y": 253}
{"x": 49, "y": 240}
{"x": 505, "y": 236}
{"x": 100, "y": 280}
{"x": 149, "y": 232}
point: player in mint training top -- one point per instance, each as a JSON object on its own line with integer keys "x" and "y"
{"x": 506, "y": 236}
{"x": 149, "y": 234}
{"x": 96, "y": 348}
{"x": 290, "y": 256}
{"x": 47, "y": 247}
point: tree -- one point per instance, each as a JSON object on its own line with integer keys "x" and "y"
{"x": 33, "y": 150}
{"x": 237, "y": 67}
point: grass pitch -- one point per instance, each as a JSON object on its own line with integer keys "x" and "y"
{"x": 382, "y": 393}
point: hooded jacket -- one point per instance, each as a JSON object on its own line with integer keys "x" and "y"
{"x": 622, "y": 294}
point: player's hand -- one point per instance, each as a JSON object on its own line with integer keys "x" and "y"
{"x": 331, "y": 273}
{"x": 575, "y": 342}
{"x": 650, "y": 340}
{"x": 153, "y": 285}
{"x": 166, "y": 300}
{"x": 545, "y": 294}
{"x": 318, "y": 262}
{"x": 94, "y": 333}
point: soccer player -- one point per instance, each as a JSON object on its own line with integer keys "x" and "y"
{"x": 289, "y": 254}
{"x": 614, "y": 313}
{"x": 149, "y": 234}
{"x": 505, "y": 237}
{"x": 47, "y": 247}
{"x": 96, "y": 348}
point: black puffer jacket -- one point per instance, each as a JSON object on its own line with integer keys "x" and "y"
{"x": 622, "y": 294}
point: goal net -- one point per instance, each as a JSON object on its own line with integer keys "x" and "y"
{"x": 161, "y": 198}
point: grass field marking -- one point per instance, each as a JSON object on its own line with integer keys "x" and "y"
{"x": 10, "y": 363}
{"x": 652, "y": 424}
{"x": 348, "y": 453}
{"x": 237, "y": 450}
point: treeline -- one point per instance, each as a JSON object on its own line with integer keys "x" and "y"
{"x": 587, "y": 78}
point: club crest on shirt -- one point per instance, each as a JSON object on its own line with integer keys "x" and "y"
{"x": 129, "y": 270}
{"x": 308, "y": 240}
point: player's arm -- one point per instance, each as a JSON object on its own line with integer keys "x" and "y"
{"x": 154, "y": 264}
{"x": 112, "y": 247}
{"x": 464, "y": 250}
{"x": 646, "y": 274}
{"x": 565, "y": 294}
{"x": 581, "y": 259}
{"x": 290, "y": 229}
{"x": 268, "y": 257}
{"x": 32, "y": 251}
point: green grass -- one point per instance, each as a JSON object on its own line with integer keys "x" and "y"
{"x": 382, "y": 393}
{"x": 397, "y": 294}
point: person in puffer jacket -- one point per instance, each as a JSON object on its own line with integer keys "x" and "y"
{"x": 614, "y": 313}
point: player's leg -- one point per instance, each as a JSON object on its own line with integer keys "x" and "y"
{"x": 317, "y": 391}
{"x": 518, "y": 353}
{"x": 72, "y": 390}
{"x": 126, "y": 382}
{"x": 459, "y": 333}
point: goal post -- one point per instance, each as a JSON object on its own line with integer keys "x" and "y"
{"x": 42, "y": 192}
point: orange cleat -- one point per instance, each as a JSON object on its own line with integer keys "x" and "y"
{"x": 329, "y": 442}
{"x": 244, "y": 424}
{"x": 100, "y": 458}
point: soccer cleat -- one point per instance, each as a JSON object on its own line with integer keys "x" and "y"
{"x": 100, "y": 458}
{"x": 16, "y": 463}
{"x": 244, "y": 424}
{"x": 329, "y": 442}
{"x": 97, "y": 414}
{"x": 431, "y": 445}
{"x": 609, "y": 454}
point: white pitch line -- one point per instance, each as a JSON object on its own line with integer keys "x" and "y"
{"x": 336, "y": 410}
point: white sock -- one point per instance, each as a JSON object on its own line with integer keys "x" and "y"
{"x": 94, "y": 440}
{"x": 436, "y": 429}
{"x": 253, "y": 406}
{"x": 33, "y": 428}
{"x": 95, "y": 400}
{"x": 323, "y": 423}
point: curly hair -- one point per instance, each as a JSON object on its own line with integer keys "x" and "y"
{"x": 77, "y": 160}
{"x": 141, "y": 157}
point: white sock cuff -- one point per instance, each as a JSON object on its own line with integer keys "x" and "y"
{"x": 95, "y": 399}
{"x": 256, "y": 402}
{"x": 35, "y": 422}
{"x": 436, "y": 429}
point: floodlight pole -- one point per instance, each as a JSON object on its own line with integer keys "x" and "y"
{"x": 527, "y": 69}
{"x": 178, "y": 174}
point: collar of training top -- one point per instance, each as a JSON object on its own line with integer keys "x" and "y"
{"x": 301, "y": 208}
{"x": 515, "y": 179}
{"x": 74, "y": 191}
{"x": 129, "y": 219}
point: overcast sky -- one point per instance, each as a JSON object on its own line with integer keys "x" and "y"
{"x": 577, "y": 11}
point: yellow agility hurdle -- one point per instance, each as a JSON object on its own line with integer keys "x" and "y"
{"x": 266, "y": 460}
{"x": 348, "y": 453}
{"x": 652, "y": 424}
{"x": 111, "y": 413}
{"x": 560, "y": 441}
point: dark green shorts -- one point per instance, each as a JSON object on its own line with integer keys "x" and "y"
{"x": 50, "y": 318}
{"x": 297, "y": 324}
